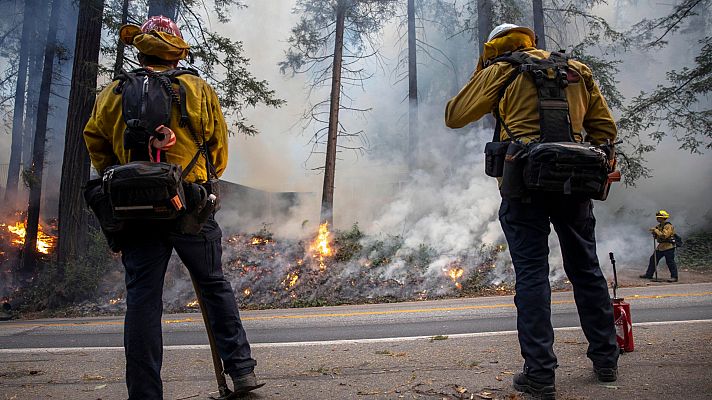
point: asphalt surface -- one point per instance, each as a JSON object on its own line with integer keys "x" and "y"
{"x": 426, "y": 318}
{"x": 385, "y": 351}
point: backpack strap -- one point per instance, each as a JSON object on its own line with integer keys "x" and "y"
{"x": 515, "y": 58}
{"x": 499, "y": 121}
{"x": 180, "y": 100}
{"x": 550, "y": 78}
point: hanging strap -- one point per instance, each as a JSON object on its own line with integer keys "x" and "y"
{"x": 499, "y": 124}
{"x": 180, "y": 100}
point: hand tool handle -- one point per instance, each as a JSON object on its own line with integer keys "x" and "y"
{"x": 217, "y": 362}
{"x": 615, "y": 274}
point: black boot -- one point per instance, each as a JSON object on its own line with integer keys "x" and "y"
{"x": 606, "y": 374}
{"x": 245, "y": 383}
{"x": 544, "y": 391}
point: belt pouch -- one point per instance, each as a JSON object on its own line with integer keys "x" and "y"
{"x": 495, "y": 153}
{"x": 513, "y": 171}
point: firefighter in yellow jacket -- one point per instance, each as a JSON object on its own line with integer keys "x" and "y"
{"x": 664, "y": 234}
{"x": 146, "y": 248}
{"x": 494, "y": 88}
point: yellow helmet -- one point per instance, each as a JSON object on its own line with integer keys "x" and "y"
{"x": 662, "y": 214}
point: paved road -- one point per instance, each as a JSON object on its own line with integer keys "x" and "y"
{"x": 427, "y": 318}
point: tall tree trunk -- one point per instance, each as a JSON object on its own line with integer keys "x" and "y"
{"x": 121, "y": 47}
{"x": 484, "y": 27}
{"x": 327, "y": 197}
{"x": 412, "y": 89}
{"x": 34, "y": 80}
{"x": 167, "y": 8}
{"x": 484, "y": 21}
{"x": 29, "y": 259}
{"x": 539, "y": 23}
{"x": 13, "y": 174}
{"x": 75, "y": 168}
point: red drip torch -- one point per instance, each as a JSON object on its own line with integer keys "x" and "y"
{"x": 621, "y": 316}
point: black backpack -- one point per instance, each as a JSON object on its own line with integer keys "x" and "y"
{"x": 555, "y": 163}
{"x": 147, "y": 99}
{"x": 142, "y": 189}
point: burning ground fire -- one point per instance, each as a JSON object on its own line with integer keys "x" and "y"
{"x": 320, "y": 248}
{"x": 340, "y": 267}
{"x": 334, "y": 267}
{"x": 455, "y": 273}
{"x": 45, "y": 242}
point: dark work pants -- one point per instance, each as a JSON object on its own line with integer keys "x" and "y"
{"x": 145, "y": 254}
{"x": 526, "y": 227}
{"x": 669, "y": 260}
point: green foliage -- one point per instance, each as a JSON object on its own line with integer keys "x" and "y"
{"x": 312, "y": 37}
{"x": 382, "y": 252}
{"x": 679, "y": 108}
{"x": 348, "y": 244}
{"x": 311, "y": 50}
{"x": 28, "y": 177}
{"x": 653, "y": 33}
{"x": 79, "y": 282}
{"x": 697, "y": 252}
{"x": 510, "y": 11}
{"x": 421, "y": 258}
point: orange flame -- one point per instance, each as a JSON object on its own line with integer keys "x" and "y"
{"x": 290, "y": 280}
{"x": 193, "y": 304}
{"x": 247, "y": 292}
{"x": 45, "y": 242}
{"x": 455, "y": 273}
{"x": 256, "y": 241}
{"x": 320, "y": 247}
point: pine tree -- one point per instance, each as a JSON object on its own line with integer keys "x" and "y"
{"x": 317, "y": 46}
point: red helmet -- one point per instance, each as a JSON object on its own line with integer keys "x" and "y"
{"x": 161, "y": 24}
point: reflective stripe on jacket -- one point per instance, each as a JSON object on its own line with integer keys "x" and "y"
{"x": 519, "y": 107}
{"x": 104, "y": 132}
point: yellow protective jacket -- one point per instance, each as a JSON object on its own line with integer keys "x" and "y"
{"x": 519, "y": 105}
{"x": 104, "y": 133}
{"x": 664, "y": 233}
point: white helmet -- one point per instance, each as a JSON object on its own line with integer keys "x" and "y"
{"x": 501, "y": 30}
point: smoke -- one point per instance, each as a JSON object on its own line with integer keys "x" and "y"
{"x": 418, "y": 223}
{"x": 447, "y": 203}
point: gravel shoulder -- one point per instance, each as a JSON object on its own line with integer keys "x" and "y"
{"x": 670, "y": 361}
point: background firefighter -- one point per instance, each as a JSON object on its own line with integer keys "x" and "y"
{"x": 147, "y": 247}
{"x": 664, "y": 234}
{"x": 526, "y": 221}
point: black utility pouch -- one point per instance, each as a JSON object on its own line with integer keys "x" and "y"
{"x": 145, "y": 190}
{"x": 567, "y": 168}
{"x": 100, "y": 204}
{"x": 513, "y": 171}
{"x": 494, "y": 158}
{"x": 197, "y": 197}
